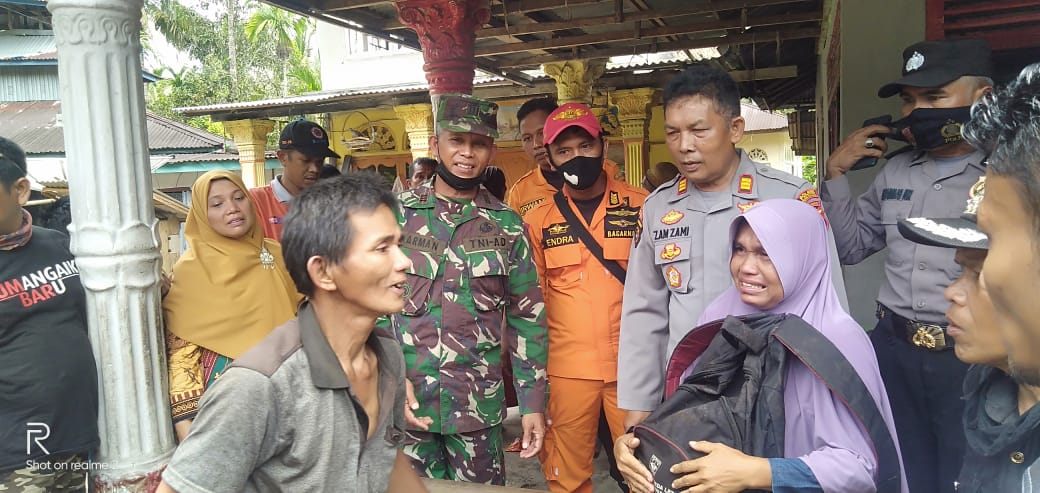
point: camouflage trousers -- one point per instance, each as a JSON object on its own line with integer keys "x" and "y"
{"x": 59, "y": 476}
{"x": 474, "y": 457}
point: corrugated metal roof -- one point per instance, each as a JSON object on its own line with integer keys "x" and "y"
{"x": 325, "y": 96}
{"x": 36, "y": 126}
{"x": 22, "y": 44}
{"x": 756, "y": 120}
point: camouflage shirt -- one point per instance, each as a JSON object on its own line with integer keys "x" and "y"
{"x": 472, "y": 286}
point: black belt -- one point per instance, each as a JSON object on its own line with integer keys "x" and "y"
{"x": 932, "y": 337}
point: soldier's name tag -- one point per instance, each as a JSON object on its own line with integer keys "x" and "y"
{"x": 486, "y": 244}
{"x": 427, "y": 244}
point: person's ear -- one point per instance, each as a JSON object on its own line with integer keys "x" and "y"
{"x": 320, "y": 272}
{"x": 606, "y": 145}
{"x": 434, "y": 152}
{"x": 981, "y": 91}
{"x": 21, "y": 190}
{"x": 736, "y": 129}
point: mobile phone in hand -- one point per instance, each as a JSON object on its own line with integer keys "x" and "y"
{"x": 870, "y": 162}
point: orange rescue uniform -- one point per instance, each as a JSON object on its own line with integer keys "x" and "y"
{"x": 583, "y": 313}
{"x": 531, "y": 190}
{"x": 270, "y": 212}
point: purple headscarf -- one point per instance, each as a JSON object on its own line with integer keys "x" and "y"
{"x": 818, "y": 427}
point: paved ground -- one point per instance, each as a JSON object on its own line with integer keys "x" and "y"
{"x": 527, "y": 473}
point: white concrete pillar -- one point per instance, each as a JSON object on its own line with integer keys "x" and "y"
{"x": 114, "y": 235}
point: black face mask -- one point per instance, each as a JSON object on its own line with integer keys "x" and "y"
{"x": 456, "y": 182}
{"x": 931, "y": 128}
{"x": 581, "y": 172}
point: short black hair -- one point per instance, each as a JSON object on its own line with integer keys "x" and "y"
{"x": 1005, "y": 124}
{"x": 328, "y": 171}
{"x": 58, "y": 216}
{"x": 12, "y": 163}
{"x": 709, "y": 81}
{"x": 495, "y": 181}
{"x": 318, "y": 223}
{"x": 422, "y": 161}
{"x": 546, "y": 104}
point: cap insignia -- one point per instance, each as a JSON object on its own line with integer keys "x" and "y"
{"x": 914, "y": 62}
{"x": 570, "y": 114}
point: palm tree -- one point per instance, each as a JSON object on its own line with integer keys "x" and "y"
{"x": 308, "y": 79}
{"x": 290, "y": 32}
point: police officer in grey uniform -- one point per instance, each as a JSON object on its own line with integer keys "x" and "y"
{"x": 940, "y": 81}
{"x": 680, "y": 258}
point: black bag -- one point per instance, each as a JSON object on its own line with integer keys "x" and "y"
{"x": 735, "y": 395}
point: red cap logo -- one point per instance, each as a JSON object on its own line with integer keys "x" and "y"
{"x": 571, "y": 115}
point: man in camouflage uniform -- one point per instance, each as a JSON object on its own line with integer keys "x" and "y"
{"x": 471, "y": 264}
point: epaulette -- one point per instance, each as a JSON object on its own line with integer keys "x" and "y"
{"x": 417, "y": 197}
{"x": 905, "y": 149}
{"x": 669, "y": 188}
{"x": 766, "y": 171}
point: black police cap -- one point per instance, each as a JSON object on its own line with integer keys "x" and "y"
{"x": 937, "y": 63}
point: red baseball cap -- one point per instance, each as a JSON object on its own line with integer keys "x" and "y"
{"x": 570, "y": 115}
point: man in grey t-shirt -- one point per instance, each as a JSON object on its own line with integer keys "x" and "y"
{"x": 318, "y": 405}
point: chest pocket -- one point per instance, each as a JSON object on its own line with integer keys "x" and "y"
{"x": 420, "y": 283}
{"x": 672, "y": 257}
{"x": 488, "y": 274}
{"x": 892, "y": 211}
{"x": 563, "y": 266}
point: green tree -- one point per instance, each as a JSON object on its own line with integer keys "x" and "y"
{"x": 290, "y": 33}
{"x": 228, "y": 64}
{"x": 809, "y": 169}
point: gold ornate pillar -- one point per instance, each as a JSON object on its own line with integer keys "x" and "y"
{"x": 574, "y": 78}
{"x": 418, "y": 123}
{"x": 251, "y": 139}
{"x": 634, "y": 114}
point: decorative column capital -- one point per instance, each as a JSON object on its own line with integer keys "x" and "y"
{"x": 415, "y": 116}
{"x": 251, "y": 140}
{"x": 446, "y": 31}
{"x": 418, "y": 124}
{"x": 249, "y": 131}
{"x": 634, "y": 103}
{"x": 634, "y": 110}
{"x": 574, "y": 78}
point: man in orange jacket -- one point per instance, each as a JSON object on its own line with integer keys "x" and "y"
{"x": 302, "y": 148}
{"x": 583, "y": 343}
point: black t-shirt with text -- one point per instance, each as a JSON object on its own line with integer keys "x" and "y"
{"x": 48, "y": 378}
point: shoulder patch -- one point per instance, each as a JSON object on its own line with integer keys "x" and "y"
{"x": 812, "y": 197}
{"x": 683, "y": 187}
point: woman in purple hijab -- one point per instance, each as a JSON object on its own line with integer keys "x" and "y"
{"x": 780, "y": 264}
